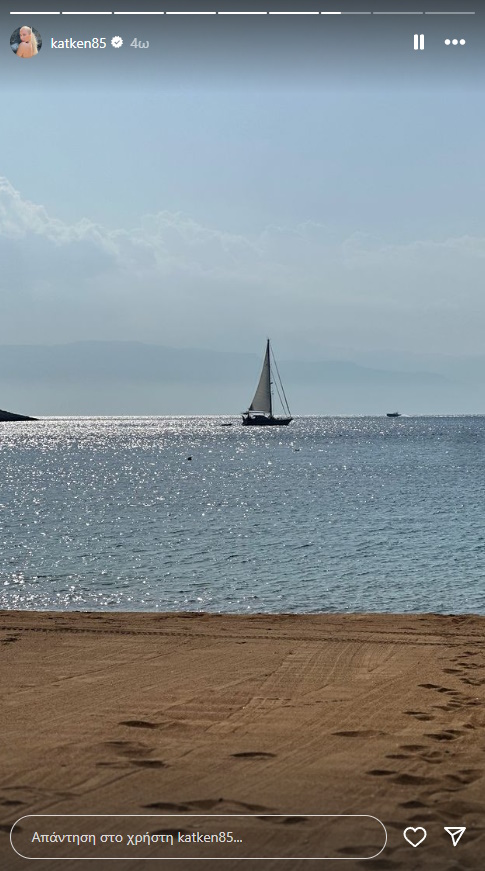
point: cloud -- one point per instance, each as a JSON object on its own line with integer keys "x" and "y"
{"x": 172, "y": 280}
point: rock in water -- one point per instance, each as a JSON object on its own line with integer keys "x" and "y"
{"x": 7, "y": 415}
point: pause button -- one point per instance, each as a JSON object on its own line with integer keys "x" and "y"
{"x": 418, "y": 41}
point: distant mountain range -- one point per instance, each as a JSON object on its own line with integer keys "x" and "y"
{"x": 135, "y": 378}
{"x": 135, "y": 361}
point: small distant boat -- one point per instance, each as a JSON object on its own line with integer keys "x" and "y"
{"x": 225, "y": 424}
{"x": 260, "y": 412}
{"x": 394, "y": 414}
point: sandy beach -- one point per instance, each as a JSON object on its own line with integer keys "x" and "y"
{"x": 287, "y": 715}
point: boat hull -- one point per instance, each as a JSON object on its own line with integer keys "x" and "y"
{"x": 263, "y": 420}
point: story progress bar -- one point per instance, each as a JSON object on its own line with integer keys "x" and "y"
{"x": 217, "y": 12}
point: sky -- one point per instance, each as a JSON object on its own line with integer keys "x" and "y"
{"x": 342, "y": 222}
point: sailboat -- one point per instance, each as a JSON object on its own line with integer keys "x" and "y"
{"x": 260, "y": 412}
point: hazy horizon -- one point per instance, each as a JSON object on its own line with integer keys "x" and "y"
{"x": 135, "y": 378}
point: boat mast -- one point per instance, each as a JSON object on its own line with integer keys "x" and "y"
{"x": 268, "y": 358}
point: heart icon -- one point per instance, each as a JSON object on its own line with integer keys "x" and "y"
{"x": 415, "y": 837}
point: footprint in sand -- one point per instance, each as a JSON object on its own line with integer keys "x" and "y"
{"x": 380, "y": 772}
{"x": 149, "y": 763}
{"x": 466, "y": 776}
{"x": 433, "y": 686}
{"x": 253, "y": 754}
{"x": 412, "y": 747}
{"x": 434, "y": 756}
{"x": 413, "y": 780}
{"x": 364, "y": 734}
{"x": 420, "y": 715}
{"x": 139, "y": 724}
{"x": 449, "y": 735}
{"x": 451, "y": 706}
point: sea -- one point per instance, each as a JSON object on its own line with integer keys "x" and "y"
{"x": 330, "y": 514}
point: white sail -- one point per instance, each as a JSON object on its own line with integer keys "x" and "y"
{"x": 262, "y": 398}
{"x": 260, "y": 412}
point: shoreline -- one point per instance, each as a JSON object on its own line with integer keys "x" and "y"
{"x": 143, "y": 712}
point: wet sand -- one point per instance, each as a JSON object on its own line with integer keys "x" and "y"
{"x": 314, "y": 714}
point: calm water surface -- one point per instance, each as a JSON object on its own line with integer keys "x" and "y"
{"x": 329, "y": 514}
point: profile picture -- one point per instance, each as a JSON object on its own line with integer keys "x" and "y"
{"x": 26, "y": 41}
